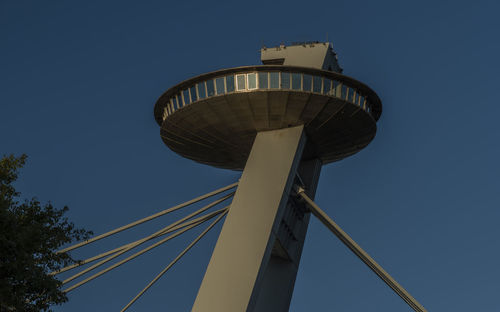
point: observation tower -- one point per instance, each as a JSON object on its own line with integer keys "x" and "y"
{"x": 278, "y": 122}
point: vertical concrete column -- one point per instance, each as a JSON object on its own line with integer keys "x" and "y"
{"x": 243, "y": 251}
{"x": 280, "y": 273}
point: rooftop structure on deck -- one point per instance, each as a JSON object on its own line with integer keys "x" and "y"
{"x": 311, "y": 54}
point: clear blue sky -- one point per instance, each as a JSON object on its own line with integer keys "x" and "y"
{"x": 79, "y": 79}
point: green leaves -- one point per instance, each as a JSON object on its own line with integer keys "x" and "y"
{"x": 30, "y": 235}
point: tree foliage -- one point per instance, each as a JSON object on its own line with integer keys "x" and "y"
{"x": 30, "y": 235}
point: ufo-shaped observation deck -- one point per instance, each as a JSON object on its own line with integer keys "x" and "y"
{"x": 213, "y": 118}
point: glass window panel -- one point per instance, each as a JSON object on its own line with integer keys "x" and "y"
{"x": 252, "y": 81}
{"x": 240, "y": 82}
{"x": 201, "y": 90}
{"x": 230, "y": 83}
{"x": 174, "y": 101}
{"x": 335, "y": 88}
{"x": 317, "y": 84}
{"x": 350, "y": 93}
{"x": 185, "y": 95}
{"x": 285, "y": 80}
{"x": 179, "y": 100}
{"x": 274, "y": 79}
{"x": 296, "y": 81}
{"x": 210, "y": 88}
{"x": 165, "y": 113}
{"x": 219, "y": 84}
{"x": 343, "y": 93}
{"x": 171, "y": 104}
{"x": 194, "y": 97}
{"x": 307, "y": 82}
{"x": 327, "y": 86}
{"x": 362, "y": 101}
{"x": 263, "y": 81}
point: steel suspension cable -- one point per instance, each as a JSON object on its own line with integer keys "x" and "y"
{"x": 143, "y": 240}
{"x": 179, "y": 256}
{"x": 354, "y": 247}
{"x": 135, "y": 255}
{"x": 110, "y": 252}
{"x": 156, "y": 215}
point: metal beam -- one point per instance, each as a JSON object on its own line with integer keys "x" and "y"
{"x": 354, "y": 247}
{"x": 179, "y": 256}
{"x": 135, "y": 255}
{"x": 154, "y": 216}
{"x": 143, "y": 240}
{"x": 121, "y": 248}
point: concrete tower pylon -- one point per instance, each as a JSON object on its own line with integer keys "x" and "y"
{"x": 255, "y": 261}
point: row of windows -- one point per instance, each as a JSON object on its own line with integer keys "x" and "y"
{"x": 265, "y": 80}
